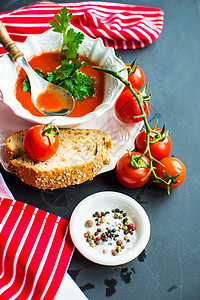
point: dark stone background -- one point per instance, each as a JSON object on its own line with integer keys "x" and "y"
{"x": 169, "y": 267}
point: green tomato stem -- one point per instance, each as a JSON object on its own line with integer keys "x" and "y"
{"x": 140, "y": 100}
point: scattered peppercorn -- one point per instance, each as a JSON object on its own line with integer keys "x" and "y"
{"x": 111, "y": 235}
{"x": 92, "y": 244}
{"x": 118, "y": 248}
{"x": 119, "y": 242}
{"x": 125, "y": 227}
{"x": 89, "y": 223}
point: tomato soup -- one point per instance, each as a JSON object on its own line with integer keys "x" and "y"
{"x": 52, "y": 100}
{"x": 48, "y": 62}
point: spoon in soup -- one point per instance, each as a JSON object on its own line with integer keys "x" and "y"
{"x": 40, "y": 88}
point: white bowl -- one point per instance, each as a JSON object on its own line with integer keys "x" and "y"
{"x": 104, "y": 201}
{"x": 51, "y": 41}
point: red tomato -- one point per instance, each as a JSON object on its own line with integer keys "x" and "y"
{"x": 127, "y": 175}
{"x": 126, "y": 108}
{"x": 137, "y": 79}
{"x": 159, "y": 149}
{"x": 37, "y": 145}
{"x": 173, "y": 166}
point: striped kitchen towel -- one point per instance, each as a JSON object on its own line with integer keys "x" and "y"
{"x": 35, "y": 251}
{"x": 121, "y": 26}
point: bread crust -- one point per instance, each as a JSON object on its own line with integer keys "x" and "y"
{"x": 11, "y": 152}
{"x": 57, "y": 178}
{"x": 35, "y": 174}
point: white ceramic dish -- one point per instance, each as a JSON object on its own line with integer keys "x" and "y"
{"x": 103, "y": 201}
{"x": 51, "y": 41}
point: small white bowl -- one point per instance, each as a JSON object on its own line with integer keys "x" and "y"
{"x": 104, "y": 201}
{"x": 51, "y": 41}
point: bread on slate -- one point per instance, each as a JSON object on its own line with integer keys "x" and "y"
{"x": 80, "y": 157}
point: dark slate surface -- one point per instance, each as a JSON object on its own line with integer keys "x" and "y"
{"x": 169, "y": 267}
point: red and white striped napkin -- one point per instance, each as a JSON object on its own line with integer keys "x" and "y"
{"x": 35, "y": 250}
{"x": 121, "y": 26}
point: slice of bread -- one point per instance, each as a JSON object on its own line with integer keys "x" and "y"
{"x": 80, "y": 157}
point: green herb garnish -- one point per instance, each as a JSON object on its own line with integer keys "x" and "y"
{"x": 69, "y": 73}
{"x": 26, "y": 82}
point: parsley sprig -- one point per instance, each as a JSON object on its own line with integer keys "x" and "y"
{"x": 69, "y": 73}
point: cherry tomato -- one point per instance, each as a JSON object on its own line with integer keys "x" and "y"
{"x": 159, "y": 149}
{"x": 137, "y": 79}
{"x": 173, "y": 166}
{"x": 126, "y": 108}
{"x": 129, "y": 176}
{"x": 37, "y": 145}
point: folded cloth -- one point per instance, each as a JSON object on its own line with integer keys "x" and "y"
{"x": 4, "y": 191}
{"x": 121, "y": 26}
{"x": 35, "y": 250}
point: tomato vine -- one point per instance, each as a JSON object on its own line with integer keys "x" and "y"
{"x": 141, "y": 98}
